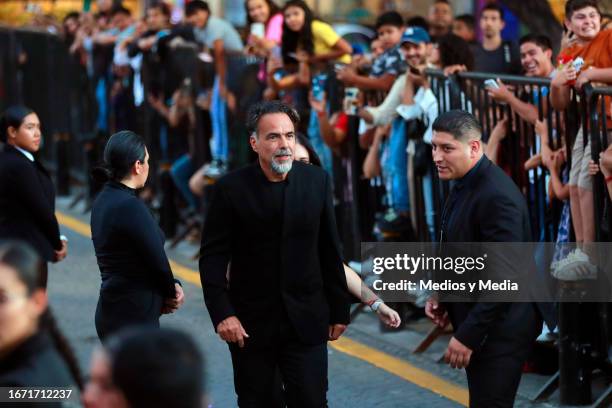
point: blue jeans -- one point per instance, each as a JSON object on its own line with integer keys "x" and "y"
{"x": 219, "y": 143}
{"x": 181, "y": 171}
{"x": 430, "y": 211}
{"x": 322, "y": 150}
{"x": 102, "y": 100}
{"x": 397, "y": 166}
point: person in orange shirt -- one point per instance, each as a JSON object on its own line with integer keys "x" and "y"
{"x": 594, "y": 46}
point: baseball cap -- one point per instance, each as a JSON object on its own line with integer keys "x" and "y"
{"x": 415, "y": 35}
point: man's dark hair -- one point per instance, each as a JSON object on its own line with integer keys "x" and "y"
{"x": 468, "y": 20}
{"x": 156, "y": 367}
{"x": 493, "y": 7}
{"x": 574, "y": 5}
{"x": 540, "y": 40}
{"x": 442, "y": 1}
{"x": 120, "y": 10}
{"x": 162, "y": 7}
{"x": 391, "y": 18}
{"x": 461, "y": 124}
{"x": 193, "y": 7}
{"x": 418, "y": 21}
{"x": 267, "y": 107}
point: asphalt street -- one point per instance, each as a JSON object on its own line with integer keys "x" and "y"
{"x": 367, "y": 368}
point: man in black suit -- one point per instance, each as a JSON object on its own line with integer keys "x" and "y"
{"x": 484, "y": 205}
{"x": 284, "y": 294}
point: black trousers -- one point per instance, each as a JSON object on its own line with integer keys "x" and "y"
{"x": 493, "y": 382}
{"x": 116, "y": 311}
{"x": 302, "y": 369}
{"x": 495, "y": 370}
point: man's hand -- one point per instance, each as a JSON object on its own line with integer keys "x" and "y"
{"x": 501, "y": 94}
{"x": 62, "y": 253}
{"x": 231, "y": 330}
{"x": 436, "y": 312}
{"x": 335, "y": 331}
{"x": 457, "y": 355}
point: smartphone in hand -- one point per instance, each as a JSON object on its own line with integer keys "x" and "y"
{"x": 491, "y": 83}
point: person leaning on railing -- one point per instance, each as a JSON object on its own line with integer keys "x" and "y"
{"x": 594, "y": 47}
{"x": 308, "y": 40}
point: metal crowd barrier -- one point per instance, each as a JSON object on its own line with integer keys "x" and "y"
{"x": 585, "y": 328}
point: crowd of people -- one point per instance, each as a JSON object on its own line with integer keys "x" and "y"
{"x": 191, "y": 125}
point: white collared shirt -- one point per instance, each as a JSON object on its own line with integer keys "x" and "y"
{"x": 27, "y": 154}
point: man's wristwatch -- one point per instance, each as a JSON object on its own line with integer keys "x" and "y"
{"x": 374, "y": 306}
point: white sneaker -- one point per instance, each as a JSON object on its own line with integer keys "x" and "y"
{"x": 576, "y": 266}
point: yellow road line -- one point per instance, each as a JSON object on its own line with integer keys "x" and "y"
{"x": 402, "y": 369}
{"x": 187, "y": 274}
{"x": 345, "y": 345}
{"x": 74, "y": 224}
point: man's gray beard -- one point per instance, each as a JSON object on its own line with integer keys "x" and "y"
{"x": 281, "y": 168}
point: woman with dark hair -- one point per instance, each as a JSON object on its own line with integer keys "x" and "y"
{"x": 315, "y": 40}
{"x": 137, "y": 282}
{"x": 455, "y": 51}
{"x": 265, "y": 26}
{"x": 27, "y": 194}
{"x": 142, "y": 368}
{"x": 305, "y": 153}
{"x": 33, "y": 353}
{"x": 265, "y": 31}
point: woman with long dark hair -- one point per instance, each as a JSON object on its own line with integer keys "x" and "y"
{"x": 33, "y": 352}
{"x": 302, "y": 32}
{"x": 27, "y": 194}
{"x": 137, "y": 282}
{"x": 308, "y": 46}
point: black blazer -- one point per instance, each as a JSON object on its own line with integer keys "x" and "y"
{"x": 487, "y": 206}
{"x": 27, "y": 203}
{"x": 312, "y": 286}
{"x": 129, "y": 246}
